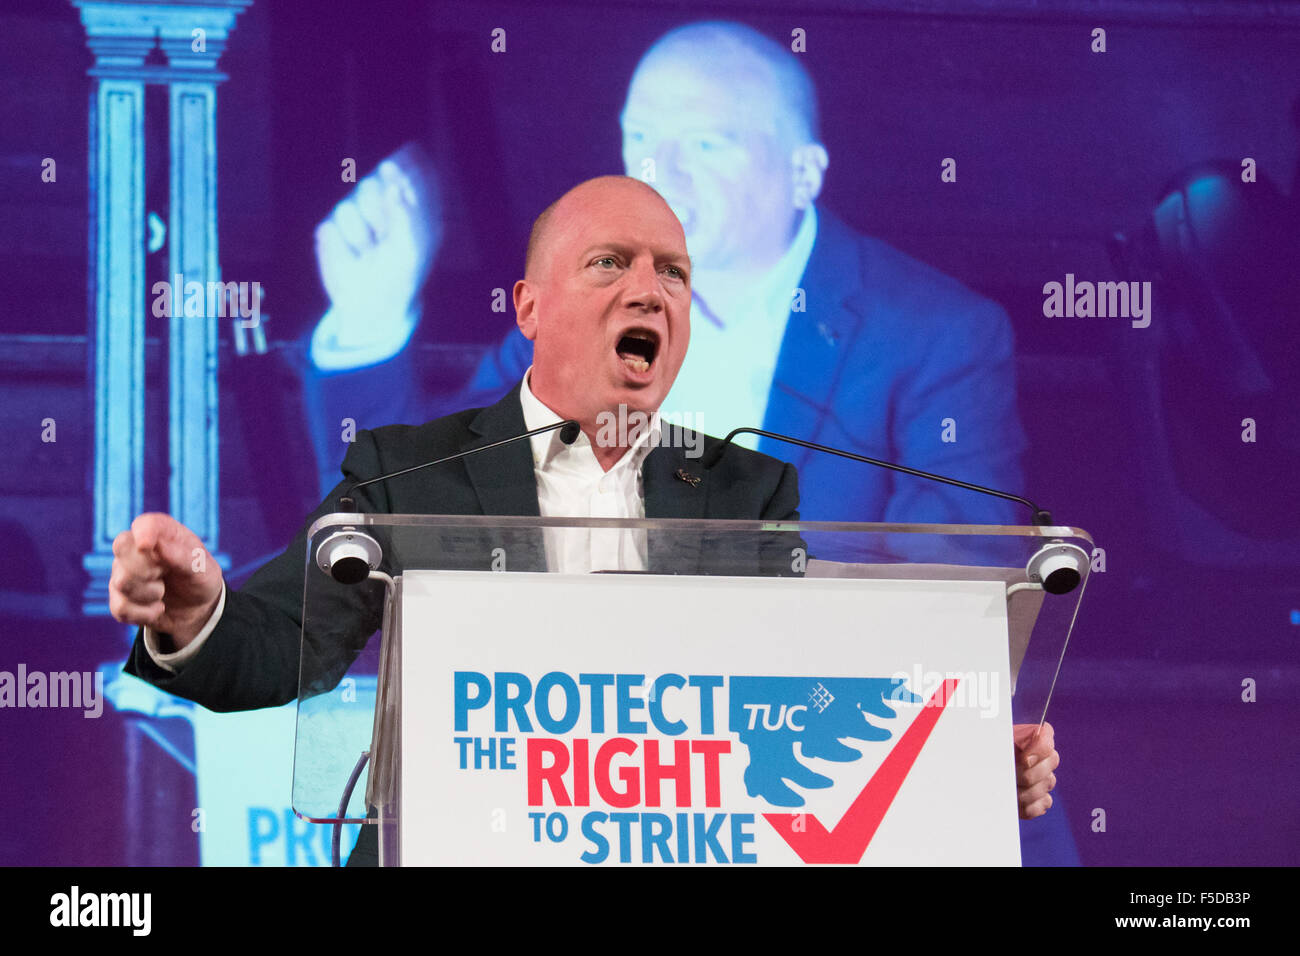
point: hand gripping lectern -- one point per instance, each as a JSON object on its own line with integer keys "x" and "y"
{"x": 748, "y": 693}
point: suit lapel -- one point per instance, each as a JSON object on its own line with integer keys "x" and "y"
{"x": 812, "y": 349}
{"x": 669, "y": 494}
{"x": 504, "y": 479}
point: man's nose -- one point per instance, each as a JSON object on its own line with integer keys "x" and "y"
{"x": 642, "y": 291}
{"x": 670, "y": 171}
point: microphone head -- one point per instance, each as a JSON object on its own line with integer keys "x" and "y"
{"x": 569, "y": 432}
{"x": 349, "y": 555}
{"x": 1058, "y": 566}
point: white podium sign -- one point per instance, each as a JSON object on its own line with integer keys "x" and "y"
{"x": 644, "y": 719}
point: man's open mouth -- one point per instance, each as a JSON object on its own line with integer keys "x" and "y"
{"x": 637, "y": 348}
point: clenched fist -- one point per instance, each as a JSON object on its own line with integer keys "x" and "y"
{"x": 163, "y": 578}
{"x": 375, "y": 248}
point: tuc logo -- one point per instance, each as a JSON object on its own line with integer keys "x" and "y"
{"x": 828, "y": 710}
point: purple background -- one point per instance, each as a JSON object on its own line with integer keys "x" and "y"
{"x": 1059, "y": 149}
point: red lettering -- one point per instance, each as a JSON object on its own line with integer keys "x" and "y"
{"x": 711, "y": 749}
{"x": 679, "y": 772}
{"x": 581, "y": 775}
{"x": 630, "y": 776}
{"x": 550, "y": 761}
{"x": 553, "y": 775}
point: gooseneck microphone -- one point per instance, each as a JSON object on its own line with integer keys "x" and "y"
{"x": 349, "y": 554}
{"x": 1041, "y": 517}
{"x": 1057, "y": 566}
{"x": 569, "y": 430}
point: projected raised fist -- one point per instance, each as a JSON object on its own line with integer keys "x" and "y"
{"x": 373, "y": 252}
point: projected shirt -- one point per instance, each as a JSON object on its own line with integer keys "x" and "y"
{"x": 727, "y": 376}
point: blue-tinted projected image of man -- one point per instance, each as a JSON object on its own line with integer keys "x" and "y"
{"x": 801, "y": 325}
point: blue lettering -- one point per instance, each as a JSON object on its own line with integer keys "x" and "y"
{"x": 299, "y": 833}
{"x": 600, "y": 846}
{"x": 655, "y": 830}
{"x": 707, "y": 836}
{"x": 740, "y": 837}
{"x": 464, "y": 703}
{"x": 625, "y": 704}
{"x": 707, "y": 685}
{"x": 624, "y": 821}
{"x": 508, "y": 703}
{"x": 597, "y": 683}
{"x": 485, "y": 753}
{"x": 463, "y": 744}
{"x": 263, "y": 828}
{"x": 542, "y": 704}
{"x": 672, "y": 728}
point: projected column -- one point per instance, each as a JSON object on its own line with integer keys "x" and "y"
{"x": 192, "y": 38}
{"x": 121, "y": 34}
{"x": 117, "y": 252}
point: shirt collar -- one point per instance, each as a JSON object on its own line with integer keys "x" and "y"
{"x": 781, "y": 280}
{"x": 548, "y": 446}
{"x": 774, "y": 291}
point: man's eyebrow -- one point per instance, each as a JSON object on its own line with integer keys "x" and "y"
{"x": 618, "y": 247}
{"x": 679, "y": 260}
{"x": 623, "y": 249}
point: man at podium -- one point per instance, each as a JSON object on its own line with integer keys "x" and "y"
{"x": 606, "y": 300}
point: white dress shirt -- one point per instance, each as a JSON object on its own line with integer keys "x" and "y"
{"x": 570, "y": 484}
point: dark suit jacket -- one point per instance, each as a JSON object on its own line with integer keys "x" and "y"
{"x": 886, "y": 350}
{"x": 252, "y": 657}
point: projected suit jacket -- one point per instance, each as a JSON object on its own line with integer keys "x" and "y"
{"x": 891, "y": 359}
{"x": 251, "y": 659}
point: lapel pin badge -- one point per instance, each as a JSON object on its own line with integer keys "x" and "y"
{"x": 686, "y": 476}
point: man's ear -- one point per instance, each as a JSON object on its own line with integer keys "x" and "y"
{"x": 526, "y": 309}
{"x": 808, "y": 163}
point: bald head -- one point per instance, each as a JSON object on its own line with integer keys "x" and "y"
{"x": 725, "y": 52}
{"x": 601, "y": 190}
